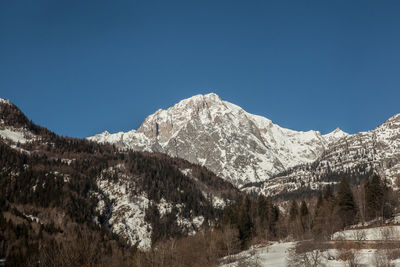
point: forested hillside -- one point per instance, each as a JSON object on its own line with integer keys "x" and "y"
{"x": 56, "y": 192}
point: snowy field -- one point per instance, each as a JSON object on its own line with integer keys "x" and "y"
{"x": 363, "y": 257}
{"x": 273, "y": 255}
{"x": 282, "y": 254}
{"x": 278, "y": 254}
{"x": 376, "y": 233}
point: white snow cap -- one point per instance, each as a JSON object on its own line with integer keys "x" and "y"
{"x": 212, "y": 97}
{"x": 339, "y": 131}
{"x": 335, "y": 135}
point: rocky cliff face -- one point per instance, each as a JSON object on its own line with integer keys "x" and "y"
{"x": 236, "y": 145}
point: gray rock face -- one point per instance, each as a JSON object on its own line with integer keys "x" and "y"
{"x": 238, "y": 146}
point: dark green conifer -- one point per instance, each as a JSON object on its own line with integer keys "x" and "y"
{"x": 347, "y": 207}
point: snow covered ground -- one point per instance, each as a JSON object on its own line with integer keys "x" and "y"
{"x": 376, "y": 233}
{"x": 278, "y": 254}
{"x": 273, "y": 255}
{"x": 363, "y": 257}
{"x": 282, "y": 253}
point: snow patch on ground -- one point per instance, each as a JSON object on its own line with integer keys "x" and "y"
{"x": 279, "y": 254}
{"x": 198, "y": 221}
{"x": 15, "y": 136}
{"x": 186, "y": 172}
{"x": 33, "y": 218}
{"x": 363, "y": 257}
{"x": 376, "y": 233}
{"x": 191, "y": 226}
{"x": 273, "y": 255}
{"x": 127, "y": 212}
{"x": 67, "y": 161}
{"x": 218, "y": 202}
{"x": 164, "y": 207}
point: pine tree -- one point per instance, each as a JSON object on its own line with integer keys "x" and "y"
{"x": 294, "y": 222}
{"x": 374, "y": 197}
{"x": 303, "y": 209}
{"x": 262, "y": 208}
{"x": 304, "y": 216}
{"x": 294, "y": 211}
{"x": 245, "y": 225}
{"x": 347, "y": 207}
{"x": 319, "y": 202}
{"x": 328, "y": 194}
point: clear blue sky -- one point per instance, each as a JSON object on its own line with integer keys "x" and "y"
{"x": 82, "y": 67}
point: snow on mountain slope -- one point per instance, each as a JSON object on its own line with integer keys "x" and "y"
{"x": 359, "y": 155}
{"x": 16, "y": 136}
{"x": 130, "y": 140}
{"x": 126, "y": 211}
{"x": 139, "y": 204}
{"x": 335, "y": 135}
{"x": 11, "y": 133}
{"x": 236, "y": 145}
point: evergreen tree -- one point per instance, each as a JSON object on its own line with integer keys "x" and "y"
{"x": 294, "y": 211}
{"x": 245, "y": 225}
{"x": 303, "y": 209}
{"x": 294, "y": 223}
{"x": 262, "y": 208}
{"x": 374, "y": 197}
{"x": 319, "y": 202}
{"x": 304, "y": 216}
{"x": 347, "y": 208}
{"x": 273, "y": 213}
{"x": 328, "y": 193}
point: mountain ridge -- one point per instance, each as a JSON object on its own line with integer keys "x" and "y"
{"x": 206, "y": 126}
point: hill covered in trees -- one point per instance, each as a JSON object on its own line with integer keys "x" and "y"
{"x": 58, "y": 191}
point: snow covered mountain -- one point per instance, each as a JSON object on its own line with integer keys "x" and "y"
{"x": 354, "y": 156}
{"x": 236, "y": 145}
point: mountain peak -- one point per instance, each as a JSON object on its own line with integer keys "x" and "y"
{"x": 338, "y": 130}
{"x": 335, "y": 135}
{"x": 235, "y": 144}
{"x": 204, "y": 96}
{"x": 210, "y": 99}
{"x": 163, "y": 124}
